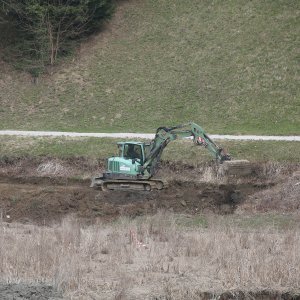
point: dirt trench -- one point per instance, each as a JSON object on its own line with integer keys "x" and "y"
{"x": 45, "y": 190}
{"x": 31, "y": 200}
{"x": 44, "y": 200}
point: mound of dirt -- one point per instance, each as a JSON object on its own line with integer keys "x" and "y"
{"x": 284, "y": 197}
{"x": 49, "y": 167}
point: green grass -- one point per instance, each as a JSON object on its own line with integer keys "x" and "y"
{"x": 230, "y": 66}
{"x": 181, "y": 151}
{"x": 192, "y": 221}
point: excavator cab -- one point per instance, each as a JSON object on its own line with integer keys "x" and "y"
{"x": 126, "y": 171}
{"x": 128, "y": 163}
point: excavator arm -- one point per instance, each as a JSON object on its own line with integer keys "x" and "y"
{"x": 165, "y": 135}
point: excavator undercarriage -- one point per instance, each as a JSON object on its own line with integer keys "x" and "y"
{"x": 124, "y": 184}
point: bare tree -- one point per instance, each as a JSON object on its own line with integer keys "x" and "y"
{"x": 49, "y": 27}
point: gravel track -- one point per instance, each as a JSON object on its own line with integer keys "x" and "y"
{"x": 145, "y": 135}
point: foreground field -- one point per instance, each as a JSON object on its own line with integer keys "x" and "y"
{"x": 229, "y": 66}
{"x": 153, "y": 257}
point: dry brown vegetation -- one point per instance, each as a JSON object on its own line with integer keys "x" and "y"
{"x": 284, "y": 197}
{"x": 150, "y": 257}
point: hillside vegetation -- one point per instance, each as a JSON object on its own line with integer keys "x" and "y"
{"x": 231, "y": 66}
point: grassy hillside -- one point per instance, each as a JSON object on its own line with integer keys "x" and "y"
{"x": 231, "y": 66}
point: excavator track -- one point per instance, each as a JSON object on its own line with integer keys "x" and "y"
{"x": 135, "y": 185}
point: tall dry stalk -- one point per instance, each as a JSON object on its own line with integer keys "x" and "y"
{"x": 163, "y": 259}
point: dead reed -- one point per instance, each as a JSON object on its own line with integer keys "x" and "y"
{"x": 149, "y": 257}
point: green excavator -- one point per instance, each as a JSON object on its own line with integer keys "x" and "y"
{"x": 137, "y": 162}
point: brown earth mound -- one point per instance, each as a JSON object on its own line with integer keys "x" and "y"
{"x": 284, "y": 197}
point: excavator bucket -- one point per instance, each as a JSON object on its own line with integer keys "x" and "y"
{"x": 241, "y": 167}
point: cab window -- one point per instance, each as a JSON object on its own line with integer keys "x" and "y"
{"x": 132, "y": 151}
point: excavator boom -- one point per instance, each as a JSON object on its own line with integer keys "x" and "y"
{"x": 165, "y": 135}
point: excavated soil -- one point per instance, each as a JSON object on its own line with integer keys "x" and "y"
{"x": 44, "y": 190}
{"x": 45, "y": 200}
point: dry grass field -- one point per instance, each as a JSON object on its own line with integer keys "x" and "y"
{"x": 151, "y": 257}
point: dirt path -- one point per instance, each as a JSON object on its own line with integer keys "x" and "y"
{"x": 145, "y": 135}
